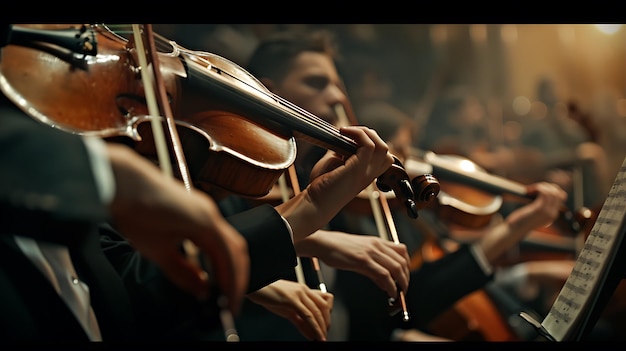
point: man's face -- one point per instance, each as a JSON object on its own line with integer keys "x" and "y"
{"x": 314, "y": 85}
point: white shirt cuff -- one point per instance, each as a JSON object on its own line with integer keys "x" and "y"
{"x": 288, "y": 227}
{"x": 481, "y": 259}
{"x": 101, "y": 167}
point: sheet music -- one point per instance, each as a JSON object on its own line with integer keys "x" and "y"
{"x": 591, "y": 265}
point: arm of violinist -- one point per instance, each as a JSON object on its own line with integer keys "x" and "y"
{"x": 308, "y": 309}
{"x": 336, "y": 182}
{"x": 542, "y": 211}
{"x": 383, "y": 261}
{"x": 156, "y": 213}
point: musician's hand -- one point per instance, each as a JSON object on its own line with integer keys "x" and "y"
{"x": 336, "y": 182}
{"x": 308, "y": 309}
{"x": 371, "y": 159}
{"x": 156, "y": 214}
{"x": 540, "y": 212}
{"x": 383, "y": 261}
{"x": 543, "y": 210}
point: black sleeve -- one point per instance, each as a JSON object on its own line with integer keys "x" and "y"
{"x": 272, "y": 255}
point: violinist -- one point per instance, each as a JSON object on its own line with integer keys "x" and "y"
{"x": 58, "y": 187}
{"x": 307, "y": 76}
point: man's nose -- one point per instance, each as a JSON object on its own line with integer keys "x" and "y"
{"x": 336, "y": 95}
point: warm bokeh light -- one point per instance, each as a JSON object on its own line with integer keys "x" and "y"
{"x": 467, "y": 165}
{"x": 521, "y": 105}
{"x": 609, "y": 28}
{"x": 478, "y": 33}
{"x": 508, "y": 33}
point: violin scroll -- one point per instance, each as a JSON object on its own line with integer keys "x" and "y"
{"x": 415, "y": 194}
{"x": 428, "y": 187}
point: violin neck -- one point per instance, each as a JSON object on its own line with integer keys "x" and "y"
{"x": 453, "y": 170}
{"x": 265, "y": 108}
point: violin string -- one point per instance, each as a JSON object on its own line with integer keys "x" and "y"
{"x": 303, "y": 114}
{"x": 308, "y": 116}
{"x": 162, "y": 44}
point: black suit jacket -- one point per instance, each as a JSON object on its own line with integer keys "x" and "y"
{"x": 47, "y": 192}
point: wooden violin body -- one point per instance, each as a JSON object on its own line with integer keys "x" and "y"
{"x": 103, "y": 95}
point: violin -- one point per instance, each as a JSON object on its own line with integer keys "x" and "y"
{"x": 457, "y": 202}
{"x": 223, "y": 114}
{"x": 472, "y": 195}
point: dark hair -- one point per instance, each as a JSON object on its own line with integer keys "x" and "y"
{"x": 274, "y": 54}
